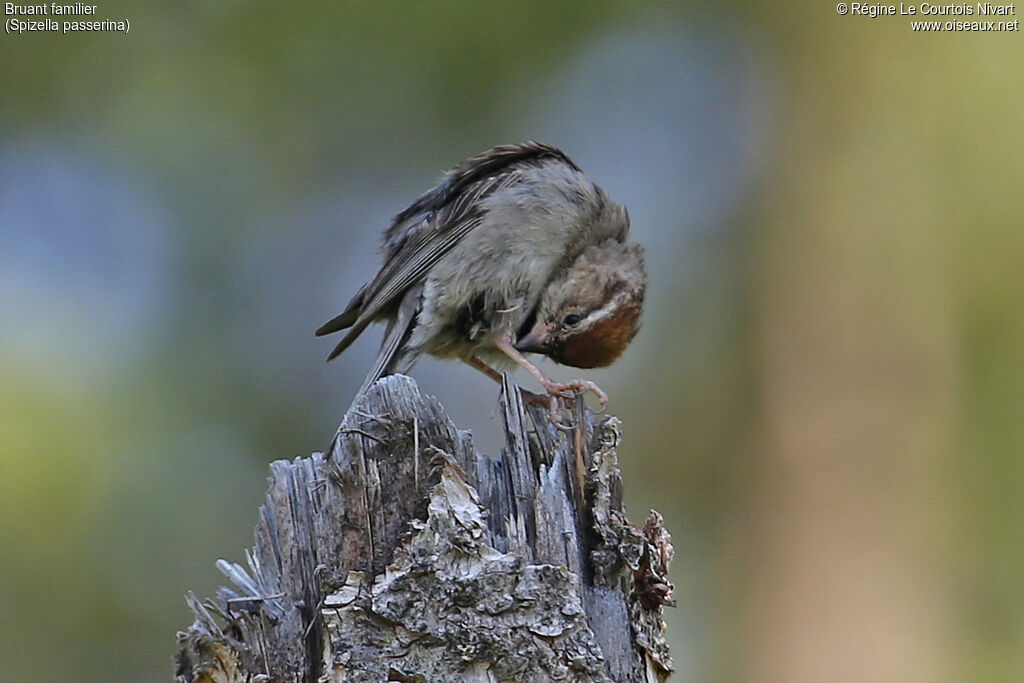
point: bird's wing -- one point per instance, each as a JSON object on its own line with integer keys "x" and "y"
{"x": 423, "y": 233}
{"x": 409, "y": 264}
{"x": 456, "y": 181}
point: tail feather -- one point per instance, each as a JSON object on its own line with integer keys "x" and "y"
{"x": 350, "y": 317}
{"x": 349, "y": 337}
{"x": 339, "y": 322}
{"x": 346, "y": 318}
{"x": 394, "y": 355}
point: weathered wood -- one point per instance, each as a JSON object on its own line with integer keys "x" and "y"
{"x": 403, "y": 555}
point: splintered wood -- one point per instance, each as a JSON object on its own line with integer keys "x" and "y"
{"x": 403, "y": 555}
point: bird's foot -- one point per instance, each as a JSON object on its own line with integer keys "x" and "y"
{"x": 555, "y": 390}
{"x": 567, "y": 389}
{"x": 535, "y": 399}
{"x": 548, "y": 401}
{"x": 559, "y": 391}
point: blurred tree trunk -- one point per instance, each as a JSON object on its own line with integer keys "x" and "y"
{"x": 403, "y": 555}
{"x": 856, "y": 354}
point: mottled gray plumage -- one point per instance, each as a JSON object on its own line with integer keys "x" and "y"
{"x": 506, "y": 242}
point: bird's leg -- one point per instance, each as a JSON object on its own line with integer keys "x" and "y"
{"x": 477, "y": 364}
{"x": 555, "y": 389}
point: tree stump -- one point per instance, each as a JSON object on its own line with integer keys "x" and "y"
{"x": 404, "y": 555}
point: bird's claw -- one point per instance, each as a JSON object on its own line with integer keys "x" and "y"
{"x": 582, "y": 385}
{"x": 559, "y": 391}
{"x": 556, "y": 417}
{"x": 551, "y": 402}
{"x": 566, "y": 391}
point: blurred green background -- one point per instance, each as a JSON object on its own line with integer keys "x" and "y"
{"x": 825, "y": 401}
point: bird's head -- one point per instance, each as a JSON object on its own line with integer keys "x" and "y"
{"x": 588, "y": 316}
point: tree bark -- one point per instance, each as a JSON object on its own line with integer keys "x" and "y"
{"x": 403, "y": 555}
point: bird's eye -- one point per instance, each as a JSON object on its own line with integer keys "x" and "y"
{"x": 571, "y": 319}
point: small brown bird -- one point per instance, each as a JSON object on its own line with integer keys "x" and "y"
{"x": 515, "y": 251}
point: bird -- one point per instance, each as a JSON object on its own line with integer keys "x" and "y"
{"x": 514, "y": 251}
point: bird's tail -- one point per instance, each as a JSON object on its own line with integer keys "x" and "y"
{"x": 344, "y": 320}
{"x": 395, "y": 355}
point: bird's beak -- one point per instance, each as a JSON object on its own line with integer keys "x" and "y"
{"x": 535, "y": 341}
